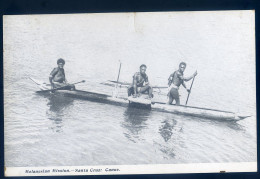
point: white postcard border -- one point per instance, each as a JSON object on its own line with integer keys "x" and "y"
{"x": 132, "y": 169}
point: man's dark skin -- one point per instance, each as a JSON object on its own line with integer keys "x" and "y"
{"x": 140, "y": 84}
{"x": 175, "y": 80}
{"x": 57, "y": 77}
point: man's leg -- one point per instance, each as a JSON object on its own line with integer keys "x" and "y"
{"x": 72, "y": 87}
{"x": 150, "y": 92}
{"x": 64, "y": 86}
{"x": 177, "y": 100}
{"x": 170, "y": 97}
{"x": 58, "y": 85}
{"x": 175, "y": 94}
{"x": 130, "y": 91}
{"x": 144, "y": 89}
{"x": 148, "y": 89}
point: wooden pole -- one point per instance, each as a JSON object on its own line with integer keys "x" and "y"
{"x": 118, "y": 75}
{"x": 115, "y": 93}
{"x": 190, "y": 91}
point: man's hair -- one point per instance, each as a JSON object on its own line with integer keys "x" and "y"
{"x": 61, "y": 61}
{"x": 182, "y": 63}
{"x": 143, "y": 65}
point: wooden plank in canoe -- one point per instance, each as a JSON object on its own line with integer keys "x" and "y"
{"x": 139, "y": 100}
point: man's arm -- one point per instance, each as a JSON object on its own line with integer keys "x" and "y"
{"x": 65, "y": 79}
{"x": 146, "y": 80}
{"x": 170, "y": 79}
{"x": 50, "y": 79}
{"x": 135, "y": 85}
{"x": 188, "y": 78}
{"x": 184, "y": 85}
{"x": 51, "y": 76}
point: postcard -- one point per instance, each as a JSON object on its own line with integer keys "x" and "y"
{"x": 129, "y": 93}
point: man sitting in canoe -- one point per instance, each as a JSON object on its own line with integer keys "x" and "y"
{"x": 57, "y": 77}
{"x": 140, "y": 84}
{"x": 175, "y": 80}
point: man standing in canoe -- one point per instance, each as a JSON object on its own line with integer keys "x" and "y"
{"x": 175, "y": 80}
{"x": 140, "y": 84}
{"x": 57, "y": 77}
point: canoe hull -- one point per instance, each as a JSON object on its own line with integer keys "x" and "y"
{"x": 180, "y": 110}
{"x": 90, "y": 96}
{"x": 200, "y": 113}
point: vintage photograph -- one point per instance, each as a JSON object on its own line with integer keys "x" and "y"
{"x": 129, "y": 93}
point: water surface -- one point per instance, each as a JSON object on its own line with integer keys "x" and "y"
{"x": 57, "y": 131}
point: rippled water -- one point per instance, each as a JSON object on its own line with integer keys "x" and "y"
{"x": 53, "y": 130}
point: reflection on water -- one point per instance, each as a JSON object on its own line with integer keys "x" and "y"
{"x": 58, "y": 103}
{"x": 171, "y": 131}
{"x": 166, "y": 129}
{"x": 234, "y": 125}
{"x": 135, "y": 122}
{"x": 58, "y": 107}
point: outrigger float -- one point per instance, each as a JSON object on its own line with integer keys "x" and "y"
{"x": 148, "y": 104}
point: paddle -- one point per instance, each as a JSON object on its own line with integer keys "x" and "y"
{"x": 190, "y": 91}
{"x": 83, "y": 81}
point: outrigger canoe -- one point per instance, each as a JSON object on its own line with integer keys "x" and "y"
{"x": 155, "y": 106}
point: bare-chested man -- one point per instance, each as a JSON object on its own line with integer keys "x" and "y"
{"x": 175, "y": 80}
{"x": 57, "y": 77}
{"x": 140, "y": 84}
